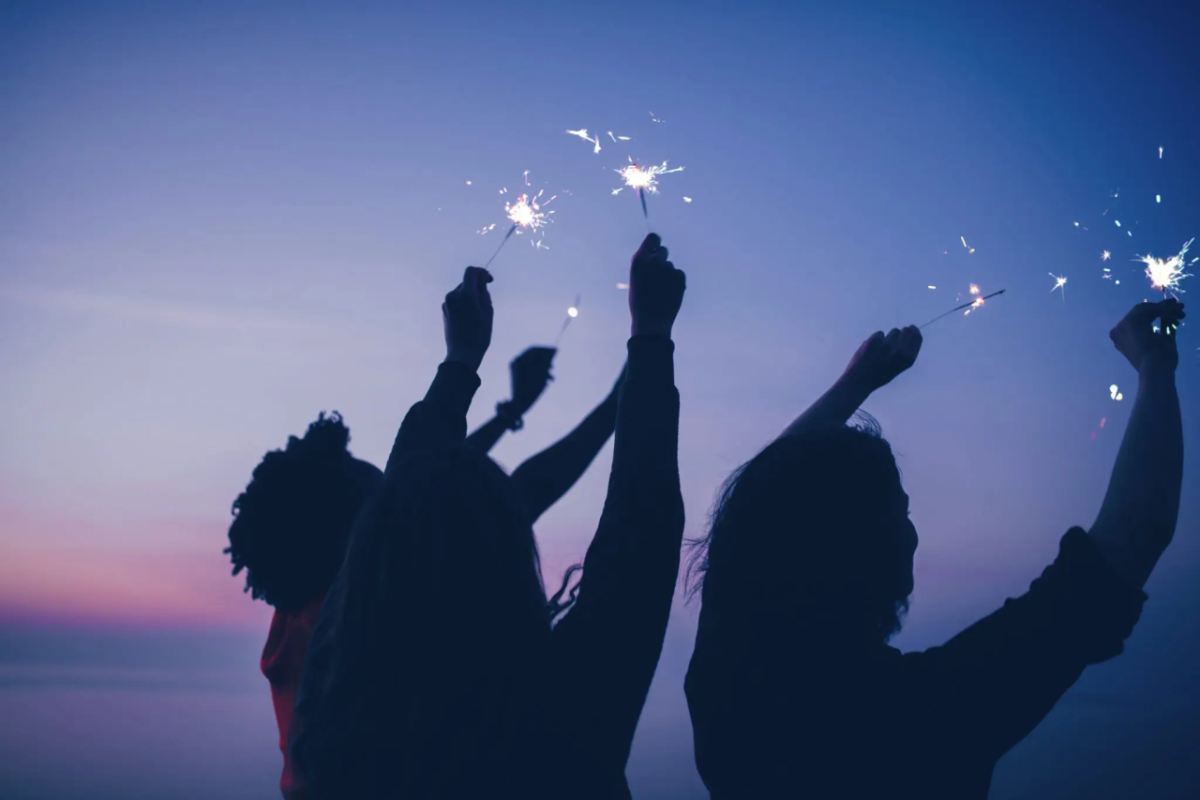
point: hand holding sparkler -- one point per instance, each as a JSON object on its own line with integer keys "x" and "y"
{"x": 467, "y": 318}
{"x": 881, "y": 358}
{"x": 655, "y": 290}
{"x": 530, "y": 373}
{"x": 1135, "y": 338}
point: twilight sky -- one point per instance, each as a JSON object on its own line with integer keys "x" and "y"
{"x": 217, "y": 221}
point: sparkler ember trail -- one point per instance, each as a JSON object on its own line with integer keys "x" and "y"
{"x": 583, "y": 134}
{"x": 1165, "y": 275}
{"x": 572, "y": 313}
{"x": 971, "y": 306}
{"x": 1060, "y": 283}
{"x": 643, "y": 179}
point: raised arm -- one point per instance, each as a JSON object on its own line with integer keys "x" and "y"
{"x": 994, "y": 682}
{"x": 530, "y": 373}
{"x": 607, "y": 647}
{"x": 440, "y": 419}
{"x": 1137, "y": 519}
{"x": 544, "y": 478}
{"x": 879, "y": 359}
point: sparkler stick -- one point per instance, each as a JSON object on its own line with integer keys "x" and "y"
{"x": 572, "y": 313}
{"x": 507, "y": 236}
{"x": 976, "y": 302}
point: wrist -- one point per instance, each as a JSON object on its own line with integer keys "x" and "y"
{"x": 651, "y": 329}
{"x": 855, "y": 385}
{"x": 471, "y": 360}
{"x": 1155, "y": 370}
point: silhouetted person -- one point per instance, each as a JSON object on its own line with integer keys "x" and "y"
{"x": 293, "y": 520}
{"x": 436, "y": 670}
{"x": 807, "y": 571}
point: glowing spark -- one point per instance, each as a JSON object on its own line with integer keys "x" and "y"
{"x": 1105, "y": 256}
{"x": 587, "y": 137}
{"x": 976, "y": 303}
{"x": 622, "y": 285}
{"x": 1118, "y": 222}
{"x": 654, "y": 118}
{"x": 967, "y": 246}
{"x": 932, "y": 287}
{"x": 1117, "y": 193}
{"x": 1059, "y": 283}
{"x": 1160, "y": 152}
{"x": 526, "y": 213}
{"x": 468, "y": 183}
{"x": 618, "y": 138}
{"x": 644, "y": 179}
{"x": 1076, "y": 224}
{"x": 572, "y": 313}
{"x": 1158, "y": 198}
{"x": 687, "y": 199}
{"x": 974, "y": 289}
{"x": 1114, "y": 394}
{"x": 1165, "y": 274}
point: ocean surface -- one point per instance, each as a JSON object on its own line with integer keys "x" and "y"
{"x": 185, "y": 715}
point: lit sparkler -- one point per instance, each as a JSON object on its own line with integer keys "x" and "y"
{"x": 1060, "y": 283}
{"x": 1165, "y": 274}
{"x": 643, "y": 179}
{"x": 572, "y": 313}
{"x": 971, "y": 306}
{"x": 526, "y": 214}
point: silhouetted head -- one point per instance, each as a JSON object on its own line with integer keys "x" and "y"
{"x": 813, "y": 531}
{"x": 292, "y": 522}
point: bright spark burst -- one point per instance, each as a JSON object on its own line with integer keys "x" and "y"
{"x": 1165, "y": 274}
{"x": 526, "y": 213}
{"x": 978, "y": 300}
{"x": 1115, "y": 394}
{"x": 572, "y": 312}
{"x": 644, "y": 179}
{"x": 582, "y": 133}
{"x": 1059, "y": 283}
{"x": 974, "y": 289}
{"x": 1105, "y": 256}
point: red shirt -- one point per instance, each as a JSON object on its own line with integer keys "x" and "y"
{"x": 282, "y": 662}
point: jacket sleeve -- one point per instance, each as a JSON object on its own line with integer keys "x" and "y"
{"x": 607, "y": 647}
{"x": 994, "y": 682}
{"x": 440, "y": 419}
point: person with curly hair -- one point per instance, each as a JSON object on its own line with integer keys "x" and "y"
{"x": 438, "y": 669}
{"x": 292, "y": 523}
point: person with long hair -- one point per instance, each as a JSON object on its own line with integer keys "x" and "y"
{"x": 292, "y": 522}
{"x": 438, "y": 668}
{"x": 806, "y": 573}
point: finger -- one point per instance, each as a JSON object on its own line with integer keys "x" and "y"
{"x": 661, "y": 254}
{"x": 651, "y": 243}
{"x": 893, "y": 337}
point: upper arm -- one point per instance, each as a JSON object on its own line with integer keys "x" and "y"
{"x": 995, "y": 681}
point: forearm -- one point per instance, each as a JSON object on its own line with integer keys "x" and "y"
{"x": 440, "y": 419}
{"x": 544, "y": 478}
{"x": 1137, "y": 519}
{"x": 486, "y": 435}
{"x": 831, "y": 409}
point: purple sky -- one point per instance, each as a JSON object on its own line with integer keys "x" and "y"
{"x": 216, "y": 223}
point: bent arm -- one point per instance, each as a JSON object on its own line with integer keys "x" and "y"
{"x": 990, "y": 685}
{"x": 484, "y": 437}
{"x": 544, "y": 478}
{"x": 833, "y": 408}
{"x": 1137, "y": 519}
